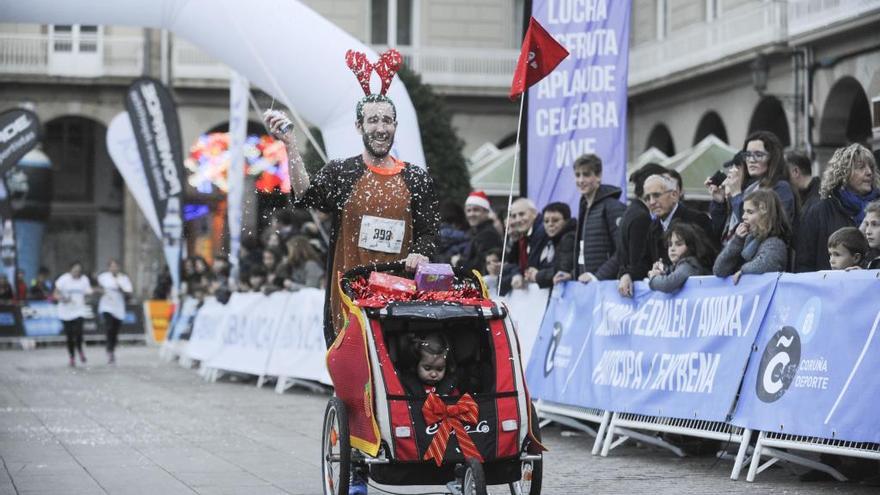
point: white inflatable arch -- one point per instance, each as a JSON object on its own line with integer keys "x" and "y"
{"x": 281, "y": 46}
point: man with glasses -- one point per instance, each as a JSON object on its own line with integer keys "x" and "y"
{"x": 663, "y": 200}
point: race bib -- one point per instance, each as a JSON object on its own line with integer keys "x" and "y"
{"x": 381, "y": 234}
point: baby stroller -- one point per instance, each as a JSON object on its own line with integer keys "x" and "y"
{"x": 487, "y": 435}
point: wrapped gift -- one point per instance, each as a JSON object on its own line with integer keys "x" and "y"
{"x": 434, "y": 277}
{"x": 391, "y": 286}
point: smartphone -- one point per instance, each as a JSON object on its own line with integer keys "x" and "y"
{"x": 718, "y": 178}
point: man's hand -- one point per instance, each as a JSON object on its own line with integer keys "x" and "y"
{"x": 625, "y": 285}
{"x": 414, "y": 260}
{"x": 274, "y": 121}
{"x": 531, "y": 273}
{"x": 561, "y": 277}
{"x": 586, "y": 277}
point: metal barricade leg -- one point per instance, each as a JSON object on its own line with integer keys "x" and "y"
{"x": 741, "y": 453}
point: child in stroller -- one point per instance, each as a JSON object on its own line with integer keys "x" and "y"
{"x": 434, "y": 371}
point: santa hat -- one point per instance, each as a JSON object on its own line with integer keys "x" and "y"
{"x": 478, "y": 198}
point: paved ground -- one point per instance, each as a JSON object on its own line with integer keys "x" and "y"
{"x": 150, "y": 427}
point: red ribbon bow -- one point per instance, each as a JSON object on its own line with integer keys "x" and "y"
{"x": 450, "y": 419}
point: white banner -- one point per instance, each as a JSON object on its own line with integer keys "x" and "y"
{"x": 300, "y": 350}
{"x": 526, "y": 308}
{"x": 238, "y": 117}
{"x": 209, "y": 326}
{"x": 123, "y": 149}
{"x": 249, "y": 331}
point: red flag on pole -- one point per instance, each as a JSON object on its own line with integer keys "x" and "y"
{"x": 540, "y": 54}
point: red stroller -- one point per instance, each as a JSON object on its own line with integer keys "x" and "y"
{"x": 486, "y": 435}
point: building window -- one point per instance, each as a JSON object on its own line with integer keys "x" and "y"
{"x": 381, "y": 13}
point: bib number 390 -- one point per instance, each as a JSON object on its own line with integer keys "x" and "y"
{"x": 381, "y": 234}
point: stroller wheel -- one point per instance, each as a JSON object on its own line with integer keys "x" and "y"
{"x": 335, "y": 449}
{"x": 474, "y": 482}
{"x": 532, "y": 471}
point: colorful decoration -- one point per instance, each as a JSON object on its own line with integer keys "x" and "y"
{"x": 265, "y": 158}
{"x": 366, "y": 297}
{"x": 450, "y": 418}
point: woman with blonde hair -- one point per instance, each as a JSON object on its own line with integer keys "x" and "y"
{"x": 849, "y": 183}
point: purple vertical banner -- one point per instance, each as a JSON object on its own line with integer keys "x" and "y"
{"x": 581, "y": 106}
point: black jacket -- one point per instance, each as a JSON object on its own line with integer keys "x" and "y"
{"x": 597, "y": 229}
{"x": 818, "y": 223}
{"x": 483, "y": 238}
{"x": 657, "y": 247}
{"x": 563, "y": 255}
{"x": 635, "y": 227}
{"x": 810, "y": 196}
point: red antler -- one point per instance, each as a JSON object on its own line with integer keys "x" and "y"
{"x": 388, "y": 65}
{"x": 358, "y": 63}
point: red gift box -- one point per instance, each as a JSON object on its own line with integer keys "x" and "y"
{"x": 391, "y": 286}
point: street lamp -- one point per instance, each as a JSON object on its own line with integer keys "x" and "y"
{"x": 760, "y": 69}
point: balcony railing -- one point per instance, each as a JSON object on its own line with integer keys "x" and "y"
{"x": 737, "y": 31}
{"x": 30, "y": 54}
{"x": 805, "y": 16}
{"x": 484, "y": 69}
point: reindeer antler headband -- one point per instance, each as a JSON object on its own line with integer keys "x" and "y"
{"x": 387, "y": 66}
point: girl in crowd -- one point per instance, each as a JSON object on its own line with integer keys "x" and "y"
{"x": 760, "y": 242}
{"x": 871, "y": 229}
{"x": 847, "y": 249}
{"x": 690, "y": 255}
{"x": 303, "y": 266}
{"x": 849, "y": 183}
{"x": 71, "y": 290}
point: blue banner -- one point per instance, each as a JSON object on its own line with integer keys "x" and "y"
{"x": 677, "y": 355}
{"x": 816, "y": 367}
{"x": 581, "y": 106}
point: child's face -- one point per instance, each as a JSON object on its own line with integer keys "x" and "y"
{"x": 842, "y": 258}
{"x": 752, "y": 215}
{"x": 493, "y": 265}
{"x": 256, "y": 281}
{"x": 431, "y": 368}
{"x": 871, "y": 228}
{"x": 553, "y": 222}
{"x": 677, "y": 248}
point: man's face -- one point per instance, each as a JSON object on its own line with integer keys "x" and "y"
{"x": 475, "y": 215}
{"x": 378, "y": 128}
{"x": 871, "y": 228}
{"x": 553, "y": 222}
{"x": 659, "y": 199}
{"x": 586, "y": 181}
{"x": 522, "y": 217}
{"x": 861, "y": 179}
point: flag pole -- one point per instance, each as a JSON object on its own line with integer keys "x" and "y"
{"x": 522, "y": 100}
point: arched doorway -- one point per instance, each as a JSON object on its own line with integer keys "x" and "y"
{"x": 846, "y": 115}
{"x": 86, "y": 219}
{"x": 769, "y": 115}
{"x": 710, "y": 125}
{"x": 661, "y": 138}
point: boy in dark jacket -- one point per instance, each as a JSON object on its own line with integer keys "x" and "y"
{"x": 598, "y": 219}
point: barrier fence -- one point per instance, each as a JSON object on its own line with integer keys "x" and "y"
{"x": 793, "y": 356}
{"x": 37, "y": 321}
